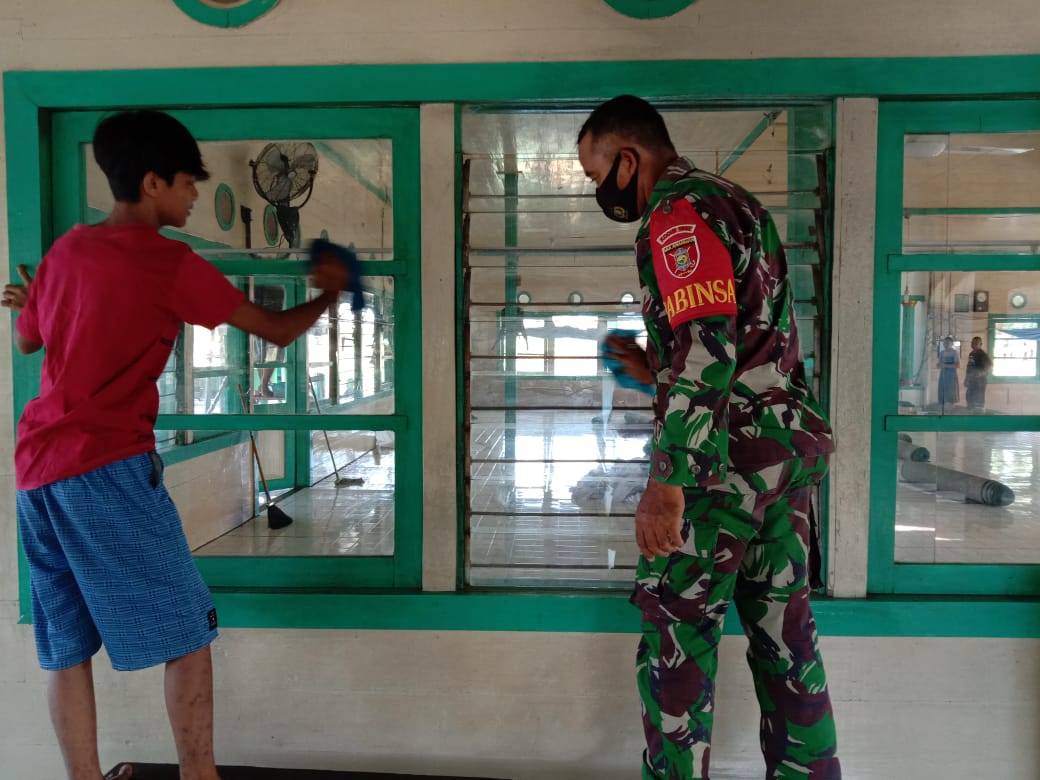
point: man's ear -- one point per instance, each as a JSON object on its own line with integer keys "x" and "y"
{"x": 628, "y": 167}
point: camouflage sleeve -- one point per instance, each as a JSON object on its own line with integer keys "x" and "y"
{"x": 691, "y": 429}
{"x": 693, "y": 275}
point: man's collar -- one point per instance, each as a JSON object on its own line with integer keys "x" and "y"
{"x": 675, "y": 170}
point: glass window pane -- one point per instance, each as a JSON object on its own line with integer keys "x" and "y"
{"x": 968, "y": 498}
{"x": 343, "y": 188}
{"x": 342, "y": 505}
{"x": 969, "y": 342}
{"x": 971, "y": 193}
{"x": 349, "y": 359}
{"x": 553, "y": 494}
{"x": 557, "y": 447}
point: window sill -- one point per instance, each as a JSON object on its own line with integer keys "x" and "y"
{"x": 918, "y": 616}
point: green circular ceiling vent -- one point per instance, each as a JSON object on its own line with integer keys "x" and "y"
{"x": 225, "y": 13}
{"x": 649, "y": 9}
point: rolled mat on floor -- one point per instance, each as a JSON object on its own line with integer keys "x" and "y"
{"x": 169, "y": 772}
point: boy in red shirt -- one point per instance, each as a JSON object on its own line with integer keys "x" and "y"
{"x": 108, "y": 559}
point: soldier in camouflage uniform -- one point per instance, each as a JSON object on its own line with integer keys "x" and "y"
{"x": 739, "y": 444}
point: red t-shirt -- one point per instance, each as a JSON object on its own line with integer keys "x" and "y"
{"x": 107, "y": 303}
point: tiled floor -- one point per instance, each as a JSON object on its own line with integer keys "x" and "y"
{"x": 553, "y": 495}
{"x": 941, "y": 527}
{"x": 328, "y": 520}
{"x": 562, "y": 512}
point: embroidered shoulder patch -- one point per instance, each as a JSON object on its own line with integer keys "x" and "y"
{"x": 693, "y": 267}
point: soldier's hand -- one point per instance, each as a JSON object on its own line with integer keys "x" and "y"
{"x": 659, "y": 519}
{"x": 626, "y": 351}
{"x": 15, "y": 296}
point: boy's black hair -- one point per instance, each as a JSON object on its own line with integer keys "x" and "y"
{"x": 629, "y": 117}
{"x": 130, "y": 144}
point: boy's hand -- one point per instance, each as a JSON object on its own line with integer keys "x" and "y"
{"x": 16, "y": 295}
{"x": 329, "y": 274}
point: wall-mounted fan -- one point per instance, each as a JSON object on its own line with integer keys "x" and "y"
{"x": 283, "y": 175}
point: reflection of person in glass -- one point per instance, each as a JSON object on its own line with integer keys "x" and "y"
{"x": 976, "y": 374}
{"x": 949, "y": 362}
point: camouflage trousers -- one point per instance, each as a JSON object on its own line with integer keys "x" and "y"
{"x": 746, "y": 541}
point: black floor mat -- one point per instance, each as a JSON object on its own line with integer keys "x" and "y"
{"x": 169, "y": 772}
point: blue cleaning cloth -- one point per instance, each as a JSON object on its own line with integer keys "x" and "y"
{"x": 349, "y": 258}
{"x": 618, "y": 369}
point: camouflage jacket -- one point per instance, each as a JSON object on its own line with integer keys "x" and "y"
{"x": 722, "y": 341}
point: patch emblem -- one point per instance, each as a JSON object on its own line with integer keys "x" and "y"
{"x": 682, "y": 253}
{"x": 692, "y": 265}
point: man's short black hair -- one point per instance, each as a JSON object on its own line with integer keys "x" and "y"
{"x": 629, "y": 117}
{"x": 130, "y": 144}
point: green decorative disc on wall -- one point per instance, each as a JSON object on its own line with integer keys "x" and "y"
{"x": 224, "y": 207}
{"x": 648, "y": 9}
{"x": 271, "y": 230}
{"x": 225, "y": 13}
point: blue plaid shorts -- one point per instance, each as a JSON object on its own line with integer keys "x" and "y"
{"x": 109, "y": 563}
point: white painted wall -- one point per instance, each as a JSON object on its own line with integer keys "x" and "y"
{"x": 526, "y": 706}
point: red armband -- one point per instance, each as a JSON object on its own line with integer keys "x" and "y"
{"x": 692, "y": 265}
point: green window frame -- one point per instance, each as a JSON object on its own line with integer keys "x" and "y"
{"x": 32, "y": 98}
{"x": 70, "y": 130}
{"x": 897, "y": 119}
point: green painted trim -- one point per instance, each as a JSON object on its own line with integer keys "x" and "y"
{"x": 238, "y": 16}
{"x": 963, "y": 116}
{"x": 649, "y": 9}
{"x": 937, "y": 263}
{"x": 961, "y": 422}
{"x": 185, "y": 452}
{"x": 608, "y": 613}
{"x": 398, "y": 423}
{"x": 957, "y": 211}
{"x": 404, "y": 570}
{"x": 223, "y": 190}
{"x": 966, "y": 579}
{"x": 29, "y": 221}
{"x": 744, "y": 145}
{"x": 354, "y": 172}
{"x": 326, "y": 573}
{"x": 895, "y": 121}
{"x": 885, "y": 372}
{"x": 718, "y": 80}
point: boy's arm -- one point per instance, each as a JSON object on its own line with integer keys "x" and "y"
{"x": 24, "y": 345}
{"x": 281, "y": 327}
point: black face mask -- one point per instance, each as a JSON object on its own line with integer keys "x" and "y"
{"x": 620, "y": 205}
